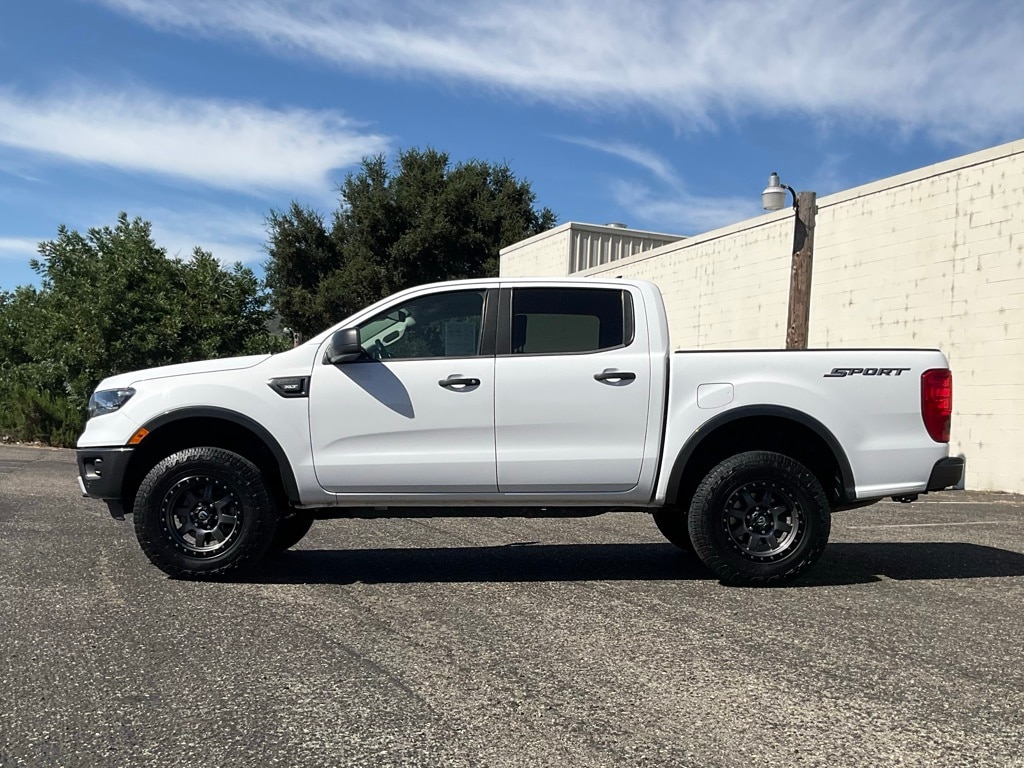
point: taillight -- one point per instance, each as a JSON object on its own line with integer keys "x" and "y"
{"x": 937, "y": 402}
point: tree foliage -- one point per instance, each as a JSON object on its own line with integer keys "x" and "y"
{"x": 112, "y": 301}
{"x": 424, "y": 221}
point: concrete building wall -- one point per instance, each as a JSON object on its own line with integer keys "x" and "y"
{"x": 931, "y": 258}
{"x": 543, "y": 255}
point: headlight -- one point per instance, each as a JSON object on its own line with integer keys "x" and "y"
{"x": 108, "y": 400}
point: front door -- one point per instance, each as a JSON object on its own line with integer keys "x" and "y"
{"x": 416, "y": 414}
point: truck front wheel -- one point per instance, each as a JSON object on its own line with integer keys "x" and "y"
{"x": 759, "y": 518}
{"x": 203, "y": 513}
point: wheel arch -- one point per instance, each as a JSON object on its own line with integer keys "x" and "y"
{"x": 216, "y": 427}
{"x": 763, "y": 427}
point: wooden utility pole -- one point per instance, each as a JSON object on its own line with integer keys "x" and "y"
{"x": 800, "y": 276}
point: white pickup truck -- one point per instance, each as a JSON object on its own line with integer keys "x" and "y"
{"x": 517, "y": 396}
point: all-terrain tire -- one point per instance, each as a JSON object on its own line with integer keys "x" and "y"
{"x": 759, "y": 518}
{"x": 290, "y": 531}
{"x": 204, "y": 513}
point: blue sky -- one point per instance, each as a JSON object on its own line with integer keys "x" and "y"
{"x": 202, "y": 115}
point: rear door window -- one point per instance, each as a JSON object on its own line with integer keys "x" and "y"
{"x": 570, "y": 320}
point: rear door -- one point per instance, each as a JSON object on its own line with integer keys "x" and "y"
{"x": 572, "y": 390}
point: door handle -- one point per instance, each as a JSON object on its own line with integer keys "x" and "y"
{"x": 615, "y": 377}
{"x": 458, "y": 382}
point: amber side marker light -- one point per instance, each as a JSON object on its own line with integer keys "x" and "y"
{"x": 138, "y": 436}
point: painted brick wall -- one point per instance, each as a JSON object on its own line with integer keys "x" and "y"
{"x": 543, "y": 255}
{"x": 936, "y": 258}
{"x": 931, "y": 258}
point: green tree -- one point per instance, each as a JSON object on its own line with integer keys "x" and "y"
{"x": 424, "y": 221}
{"x": 112, "y": 301}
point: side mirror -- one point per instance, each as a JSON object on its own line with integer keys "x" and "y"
{"x": 344, "y": 347}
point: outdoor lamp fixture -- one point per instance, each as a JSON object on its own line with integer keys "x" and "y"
{"x": 804, "y": 204}
{"x": 774, "y": 196}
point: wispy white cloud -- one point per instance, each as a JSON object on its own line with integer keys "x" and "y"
{"x": 830, "y": 175}
{"x": 634, "y": 154}
{"x": 667, "y": 206}
{"x": 18, "y": 174}
{"x": 20, "y": 248}
{"x": 680, "y": 211}
{"x": 230, "y": 234}
{"x": 224, "y": 144}
{"x": 951, "y": 69}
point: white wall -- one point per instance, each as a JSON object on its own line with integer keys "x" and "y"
{"x": 543, "y": 255}
{"x": 931, "y": 258}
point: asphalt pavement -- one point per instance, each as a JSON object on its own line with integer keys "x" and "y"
{"x": 508, "y": 642}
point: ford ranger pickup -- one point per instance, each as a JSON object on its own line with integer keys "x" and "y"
{"x": 517, "y": 397}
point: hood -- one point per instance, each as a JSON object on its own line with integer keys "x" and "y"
{"x": 182, "y": 369}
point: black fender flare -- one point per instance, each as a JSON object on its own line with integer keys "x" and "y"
{"x": 709, "y": 427}
{"x": 291, "y": 487}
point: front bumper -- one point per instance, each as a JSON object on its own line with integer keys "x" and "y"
{"x": 946, "y": 473}
{"x": 101, "y": 471}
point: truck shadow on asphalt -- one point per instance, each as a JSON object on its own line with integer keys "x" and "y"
{"x": 528, "y": 562}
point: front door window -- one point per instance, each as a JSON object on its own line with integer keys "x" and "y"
{"x": 438, "y": 325}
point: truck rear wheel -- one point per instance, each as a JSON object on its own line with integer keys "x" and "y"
{"x": 759, "y": 518}
{"x": 203, "y": 513}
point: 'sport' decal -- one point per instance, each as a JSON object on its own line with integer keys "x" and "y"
{"x": 839, "y": 373}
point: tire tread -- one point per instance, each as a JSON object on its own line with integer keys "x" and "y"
{"x": 732, "y": 569}
{"x": 247, "y": 481}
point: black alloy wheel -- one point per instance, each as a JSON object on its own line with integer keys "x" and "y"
{"x": 201, "y": 515}
{"x": 762, "y": 521}
{"x": 205, "y": 513}
{"x": 759, "y": 518}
